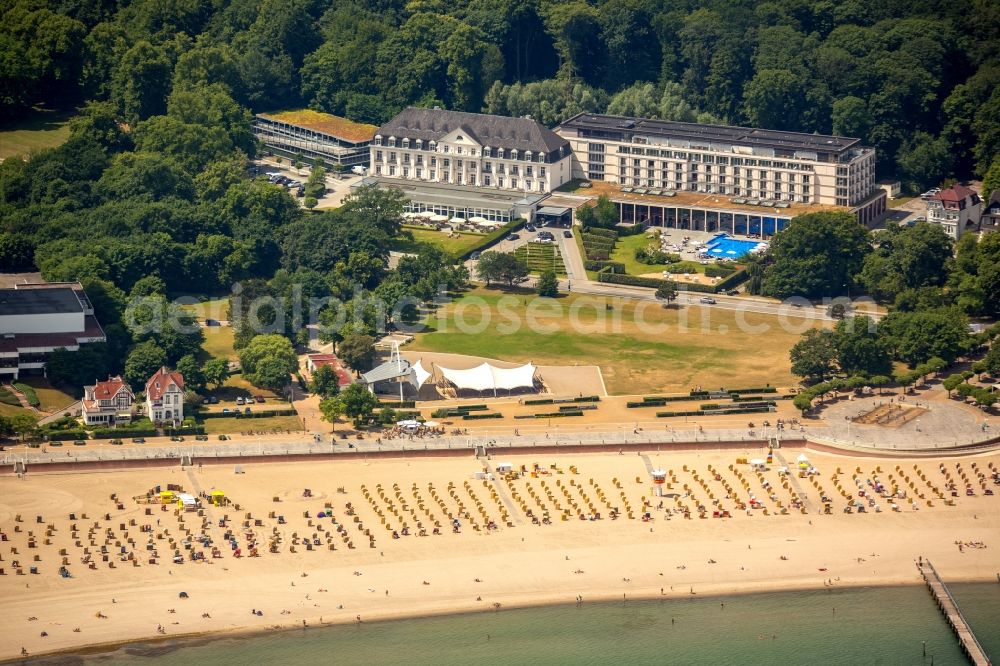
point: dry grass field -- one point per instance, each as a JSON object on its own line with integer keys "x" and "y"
{"x": 640, "y": 347}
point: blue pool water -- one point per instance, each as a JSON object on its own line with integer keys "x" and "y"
{"x": 724, "y": 245}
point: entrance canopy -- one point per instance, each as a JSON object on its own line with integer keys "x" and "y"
{"x": 487, "y": 377}
{"x": 552, "y": 211}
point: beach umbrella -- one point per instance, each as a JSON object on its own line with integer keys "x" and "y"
{"x": 478, "y": 220}
{"x": 431, "y": 424}
{"x": 439, "y": 218}
{"x": 458, "y": 220}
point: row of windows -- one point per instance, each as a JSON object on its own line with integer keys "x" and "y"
{"x": 470, "y": 178}
{"x": 713, "y": 159}
{"x": 734, "y": 190}
{"x": 650, "y": 170}
{"x": 513, "y": 153}
{"x": 471, "y": 165}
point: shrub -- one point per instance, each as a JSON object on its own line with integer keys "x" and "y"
{"x": 719, "y": 271}
{"x": 29, "y": 393}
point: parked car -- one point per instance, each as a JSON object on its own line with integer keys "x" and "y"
{"x": 246, "y": 411}
{"x": 239, "y": 400}
{"x": 223, "y": 438}
{"x": 512, "y": 237}
{"x": 76, "y": 442}
{"x": 708, "y": 300}
{"x": 138, "y": 440}
{"x": 114, "y": 442}
{"x": 567, "y": 233}
{"x": 259, "y": 398}
{"x": 176, "y": 438}
{"x": 475, "y": 255}
{"x": 214, "y": 400}
{"x": 529, "y": 227}
{"x": 225, "y": 410}
{"x": 201, "y": 438}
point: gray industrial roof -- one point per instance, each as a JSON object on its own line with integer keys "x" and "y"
{"x": 700, "y": 132}
{"x": 521, "y": 134}
{"x": 38, "y": 301}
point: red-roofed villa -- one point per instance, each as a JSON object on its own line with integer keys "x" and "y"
{"x": 165, "y": 396}
{"x": 108, "y": 402}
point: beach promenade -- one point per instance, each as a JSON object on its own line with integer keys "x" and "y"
{"x": 375, "y": 536}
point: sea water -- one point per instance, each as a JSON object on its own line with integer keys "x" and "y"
{"x": 894, "y": 625}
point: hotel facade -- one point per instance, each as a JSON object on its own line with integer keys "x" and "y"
{"x": 747, "y": 168}
{"x": 663, "y": 173}
{"x": 469, "y": 164}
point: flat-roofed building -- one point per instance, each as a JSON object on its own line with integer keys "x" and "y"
{"x": 38, "y": 318}
{"x": 472, "y": 150}
{"x": 739, "y": 164}
{"x": 312, "y": 134}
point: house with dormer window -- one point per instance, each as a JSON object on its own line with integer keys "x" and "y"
{"x": 165, "y": 397}
{"x": 107, "y": 403}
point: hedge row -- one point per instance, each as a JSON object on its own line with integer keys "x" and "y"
{"x": 29, "y": 393}
{"x": 718, "y": 271}
{"x": 598, "y": 231}
{"x": 539, "y": 401}
{"x": 492, "y": 238}
{"x": 461, "y": 410}
{"x": 736, "y": 279}
{"x": 406, "y": 404}
{"x": 185, "y": 430}
{"x": 700, "y": 412}
{"x": 477, "y": 417}
{"x": 65, "y": 435}
{"x": 766, "y": 389}
{"x": 552, "y": 415}
{"x": 653, "y": 283}
{"x": 252, "y": 415}
{"x": 119, "y": 433}
{"x": 748, "y": 405}
{"x": 601, "y": 264}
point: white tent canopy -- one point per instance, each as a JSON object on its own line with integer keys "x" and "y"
{"x": 489, "y": 377}
{"x": 418, "y": 375}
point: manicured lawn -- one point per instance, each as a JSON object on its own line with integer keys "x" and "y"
{"x": 215, "y": 308}
{"x": 52, "y": 399}
{"x": 640, "y": 347}
{"x": 234, "y": 425}
{"x": 625, "y": 253}
{"x": 237, "y": 386}
{"x": 42, "y": 129}
{"x": 453, "y": 246}
{"x": 219, "y": 342}
{"x": 10, "y": 410}
{"x": 540, "y": 257}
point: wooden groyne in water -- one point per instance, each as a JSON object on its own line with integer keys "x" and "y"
{"x": 966, "y": 639}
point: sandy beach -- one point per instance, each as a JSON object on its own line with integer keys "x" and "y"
{"x": 347, "y": 565}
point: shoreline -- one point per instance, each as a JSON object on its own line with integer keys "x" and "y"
{"x": 123, "y": 599}
{"x": 192, "y": 639}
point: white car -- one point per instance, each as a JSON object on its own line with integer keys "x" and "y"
{"x": 707, "y": 300}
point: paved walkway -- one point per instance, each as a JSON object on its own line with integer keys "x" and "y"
{"x": 946, "y": 423}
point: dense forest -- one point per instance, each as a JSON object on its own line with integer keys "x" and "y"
{"x": 150, "y": 196}
{"x": 918, "y": 79}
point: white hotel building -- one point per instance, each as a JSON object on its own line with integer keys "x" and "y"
{"x": 752, "y": 166}
{"x": 469, "y": 164}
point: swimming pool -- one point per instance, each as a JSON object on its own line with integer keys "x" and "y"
{"x": 725, "y": 246}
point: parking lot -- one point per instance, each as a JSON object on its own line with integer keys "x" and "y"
{"x": 338, "y": 185}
